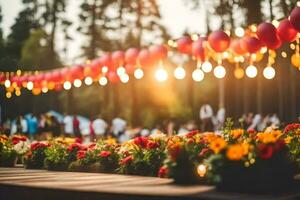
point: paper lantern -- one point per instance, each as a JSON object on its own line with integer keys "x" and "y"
{"x": 235, "y": 46}
{"x": 113, "y": 77}
{"x": 158, "y": 52}
{"x": 184, "y": 45}
{"x": 198, "y": 49}
{"x": 118, "y": 58}
{"x": 268, "y": 35}
{"x": 219, "y": 41}
{"x": 144, "y": 58}
{"x": 295, "y": 18}
{"x": 250, "y": 44}
{"x": 286, "y": 31}
{"x": 131, "y": 56}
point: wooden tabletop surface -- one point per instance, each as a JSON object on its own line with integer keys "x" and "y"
{"x": 118, "y": 186}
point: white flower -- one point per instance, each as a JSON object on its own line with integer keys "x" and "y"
{"x": 22, "y": 147}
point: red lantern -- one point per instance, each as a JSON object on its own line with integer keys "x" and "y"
{"x": 131, "y": 56}
{"x": 95, "y": 68}
{"x": 129, "y": 68}
{"x": 65, "y": 74}
{"x": 58, "y": 87}
{"x": 158, "y": 52}
{"x": 113, "y": 77}
{"x": 106, "y": 60}
{"x": 198, "y": 49}
{"x": 76, "y": 72}
{"x": 250, "y": 44}
{"x": 118, "y": 58}
{"x": 295, "y": 18}
{"x": 184, "y": 45}
{"x": 286, "y": 31}
{"x": 219, "y": 41}
{"x": 268, "y": 35}
{"x": 57, "y": 76}
{"x": 236, "y": 47}
{"x": 144, "y": 58}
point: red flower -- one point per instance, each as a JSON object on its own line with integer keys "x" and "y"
{"x": 37, "y": 145}
{"x": 81, "y": 154}
{"x": 92, "y": 146}
{"x": 291, "y": 127}
{"x": 265, "y": 151}
{"x": 192, "y": 133}
{"x": 191, "y": 141}
{"x": 16, "y": 139}
{"x": 163, "y": 172}
{"x": 203, "y": 152}
{"x": 152, "y": 145}
{"x": 279, "y": 145}
{"x": 141, "y": 141}
{"x": 251, "y": 131}
{"x": 76, "y": 146}
{"x": 78, "y": 140}
{"x": 126, "y": 160}
{"x": 174, "y": 151}
{"x": 104, "y": 154}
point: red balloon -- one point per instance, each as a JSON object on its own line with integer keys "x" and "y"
{"x": 106, "y": 60}
{"x": 48, "y": 77}
{"x": 295, "y": 18}
{"x": 95, "y": 68}
{"x": 236, "y": 47}
{"x": 113, "y": 77}
{"x": 76, "y": 72}
{"x": 268, "y": 35}
{"x": 219, "y": 41}
{"x": 131, "y": 56}
{"x": 145, "y": 58}
{"x": 184, "y": 45}
{"x": 286, "y": 31}
{"x": 65, "y": 74}
{"x": 57, "y": 76}
{"x": 16, "y": 79}
{"x": 158, "y": 52}
{"x": 130, "y": 68}
{"x": 198, "y": 49}
{"x": 2, "y": 77}
{"x": 250, "y": 44}
{"x": 58, "y": 87}
{"x": 118, "y": 58}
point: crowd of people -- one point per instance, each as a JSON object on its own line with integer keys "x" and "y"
{"x": 47, "y": 125}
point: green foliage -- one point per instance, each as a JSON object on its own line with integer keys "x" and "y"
{"x": 7, "y": 154}
{"x": 56, "y": 157}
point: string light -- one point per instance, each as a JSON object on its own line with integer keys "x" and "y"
{"x": 283, "y": 54}
{"x": 18, "y": 92}
{"x": 121, "y": 70}
{"x": 198, "y": 75}
{"x": 263, "y": 50}
{"x": 103, "y": 81}
{"x": 219, "y": 72}
{"x": 8, "y": 95}
{"x": 239, "y": 73}
{"x": 77, "y": 83}
{"x": 124, "y": 78}
{"x": 239, "y": 31}
{"x": 138, "y": 73}
{"x": 7, "y": 83}
{"x": 179, "y": 73}
{"x": 292, "y": 46}
{"x": 104, "y": 69}
{"x": 251, "y": 71}
{"x": 88, "y": 80}
{"x": 67, "y": 85}
{"x": 161, "y": 75}
{"x": 206, "y": 67}
{"x": 45, "y": 90}
{"x": 201, "y": 170}
{"x": 29, "y": 85}
{"x": 269, "y": 72}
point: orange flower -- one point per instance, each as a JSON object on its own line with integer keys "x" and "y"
{"x": 276, "y": 133}
{"x": 267, "y": 137}
{"x": 235, "y": 152}
{"x": 217, "y": 144}
{"x": 288, "y": 139}
{"x": 236, "y": 133}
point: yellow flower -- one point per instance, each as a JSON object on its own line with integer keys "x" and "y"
{"x": 245, "y": 147}
{"x": 276, "y": 133}
{"x": 209, "y": 137}
{"x": 236, "y": 133}
{"x": 3, "y": 138}
{"x": 267, "y": 137}
{"x": 217, "y": 144}
{"x": 235, "y": 152}
{"x": 288, "y": 139}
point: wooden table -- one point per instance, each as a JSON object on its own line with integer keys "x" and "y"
{"x": 18, "y": 183}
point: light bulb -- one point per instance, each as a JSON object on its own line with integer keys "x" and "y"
{"x": 121, "y": 70}
{"x": 88, "y": 80}
{"x": 104, "y": 69}
{"x": 8, "y": 95}
{"x": 161, "y": 75}
{"x": 77, "y": 83}
{"x": 67, "y": 85}
{"x": 269, "y": 72}
{"x": 7, "y": 83}
{"x": 206, "y": 67}
{"x": 18, "y": 93}
{"x": 103, "y": 81}
{"x": 198, "y": 75}
{"x": 138, "y": 73}
{"x": 219, "y": 72}
{"x": 44, "y": 89}
{"x": 239, "y": 73}
{"x": 201, "y": 170}
{"x": 29, "y": 85}
{"x": 124, "y": 78}
{"x": 179, "y": 73}
{"x": 251, "y": 71}
{"x": 239, "y": 31}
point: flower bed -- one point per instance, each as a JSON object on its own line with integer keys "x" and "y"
{"x": 233, "y": 160}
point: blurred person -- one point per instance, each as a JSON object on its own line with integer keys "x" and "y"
{"x": 99, "y": 126}
{"x": 206, "y": 115}
{"x": 182, "y": 130}
{"x": 92, "y": 130}
{"x": 21, "y": 124}
{"x": 274, "y": 120}
{"x": 32, "y": 126}
{"x": 145, "y": 132}
{"x": 264, "y": 123}
{"x": 55, "y": 127}
{"x": 118, "y": 126}
{"x": 219, "y": 119}
{"x": 170, "y": 128}
{"x": 156, "y": 130}
{"x": 76, "y": 126}
{"x": 68, "y": 125}
{"x": 255, "y": 122}
{"x": 7, "y": 125}
{"x": 249, "y": 119}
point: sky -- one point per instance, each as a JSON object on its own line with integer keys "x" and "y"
{"x": 176, "y": 23}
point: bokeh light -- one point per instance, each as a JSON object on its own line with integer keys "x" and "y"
{"x": 161, "y": 75}
{"x": 269, "y": 72}
{"x": 198, "y": 75}
{"x": 251, "y": 71}
{"x": 179, "y": 73}
{"x": 219, "y": 71}
{"x": 138, "y": 73}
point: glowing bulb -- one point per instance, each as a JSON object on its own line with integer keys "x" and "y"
{"x": 206, "y": 67}
{"x": 77, "y": 83}
{"x": 8, "y": 95}
{"x": 88, "y": 80}
{"x": 104, "y": 69}
{"x": 121, "y": 71}
{"x": 283, "y": 54}
{"x": 103, "y": 81}
{"x": 67, "y": 85}
{"x": 124, "y": 78}
{"x": 201, "y": 170}
{"x": 18, "y": 93}
{"x": 29, "y": 85}
{"x": 275, "y": 23}
{"x": 251, "y": 71}
{"x": 161, "y": 75}
{"x": 138, "y": 73}
{"x": 7, "y": 83}
{"x": 269, "y": 72}
{"x": 45, "y": 89}
{"x": 198, "y": 75}
{"x": 239, "y": 73}
{"x": 179, "y": 73}
{"x": 263, "y": 50}
{"x": 219, "y": 71}
{"x": 239, "y": 31}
